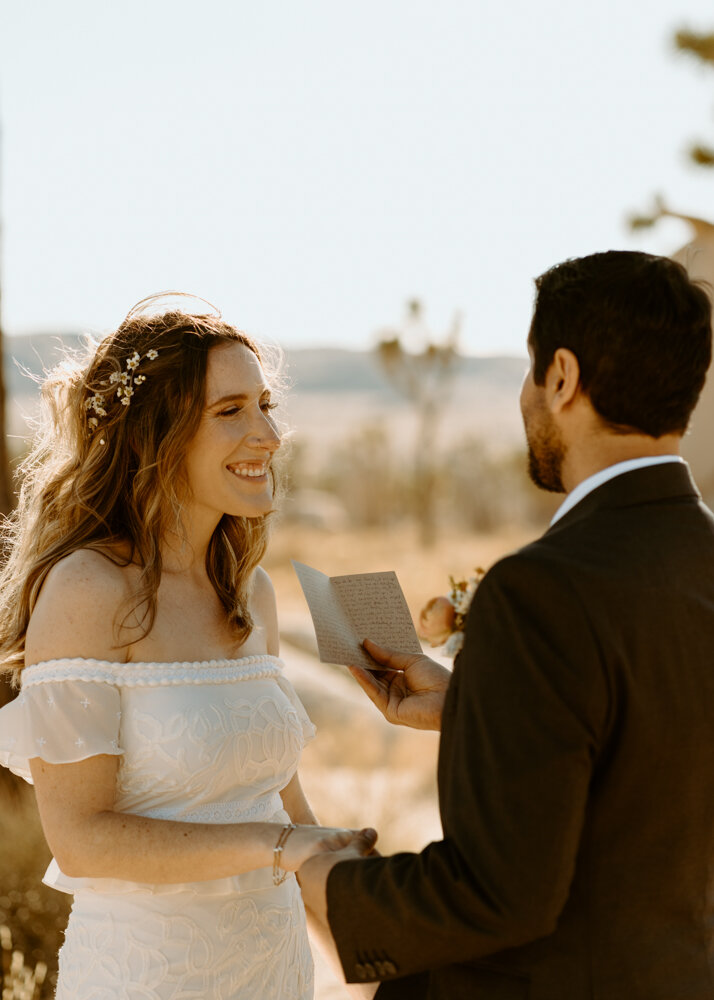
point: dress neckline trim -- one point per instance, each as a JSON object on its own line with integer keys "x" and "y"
{"x": 160, "y": 672}
{"x": 208, "y": 664}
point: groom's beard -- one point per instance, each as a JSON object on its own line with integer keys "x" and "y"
{"x": 546, "y": 453}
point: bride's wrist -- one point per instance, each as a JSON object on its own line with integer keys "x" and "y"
{"x": 280, "y": 872}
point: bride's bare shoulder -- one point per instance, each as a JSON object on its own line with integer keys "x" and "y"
{"x": 76, "y": 612}
{"x": 264, "y": 608}
{"x": 88, "y": 574}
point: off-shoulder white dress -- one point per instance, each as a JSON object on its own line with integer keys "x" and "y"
{"x": 208, "y": 742}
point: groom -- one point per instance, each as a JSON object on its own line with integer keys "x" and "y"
{"x": 576, "y": 768}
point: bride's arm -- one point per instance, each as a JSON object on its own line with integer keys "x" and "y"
{"x": 73, "y": 617}
{"x": 90, "y": 840}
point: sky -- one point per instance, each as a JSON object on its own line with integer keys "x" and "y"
{"x": 310, "y": 165}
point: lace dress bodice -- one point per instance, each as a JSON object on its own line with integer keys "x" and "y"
{"x": 213, "y": 741}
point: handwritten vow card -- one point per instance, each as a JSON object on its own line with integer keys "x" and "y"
{"x": 347, "y": 609}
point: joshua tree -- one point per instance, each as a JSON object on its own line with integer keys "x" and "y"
{"x": 701, "y": 48}
{"x": 421, "y": 369}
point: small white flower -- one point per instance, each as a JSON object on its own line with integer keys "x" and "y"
{"x": 114, "y": 377}
{"x": 125, "y": 401}
{"x": 152, "y": 354}
{"x": 453, "y": 644}
{"x": 40, "y": 741}
{"x": 463, "y": 601}
{"x": 93, "y": 422}
{"x": 79, "y": 742}
{"x": 124, "y": 377}
{"x": 85, "y": 703}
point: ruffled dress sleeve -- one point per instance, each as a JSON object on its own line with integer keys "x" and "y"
{"x": 60, "y": 720}
{"x": 307, "y": 727}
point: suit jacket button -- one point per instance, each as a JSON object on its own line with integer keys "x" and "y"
{"x": 370, "y": 972}
{"x": 360, "y": 971}
{"x": 389, "y": 968}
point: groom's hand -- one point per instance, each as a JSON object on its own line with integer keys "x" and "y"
{"x": 312, "y": 875}
{"x": 410, "y": 691}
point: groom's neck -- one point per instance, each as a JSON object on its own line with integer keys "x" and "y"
{"x": 599, "y": 449}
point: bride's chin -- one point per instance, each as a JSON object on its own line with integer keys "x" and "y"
{"x": 258, "y": 509}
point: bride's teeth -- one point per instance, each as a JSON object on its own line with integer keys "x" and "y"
{"x": 249, "y": 471}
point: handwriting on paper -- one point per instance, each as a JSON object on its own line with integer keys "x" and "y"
{"x": 347, "y": 609}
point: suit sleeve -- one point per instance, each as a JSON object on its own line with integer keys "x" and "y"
{"x": 524, "y": 720}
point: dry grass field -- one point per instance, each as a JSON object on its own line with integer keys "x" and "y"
{"x": 422, "y": 573}
{"x": 358, "y": 771}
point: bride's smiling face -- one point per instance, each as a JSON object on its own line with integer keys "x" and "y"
{"x": 228, "y": 460}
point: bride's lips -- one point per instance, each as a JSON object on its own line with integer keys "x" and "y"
{"x": 255, "y": 472}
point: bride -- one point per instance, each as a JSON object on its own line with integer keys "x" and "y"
{"x": 154, "y": 717}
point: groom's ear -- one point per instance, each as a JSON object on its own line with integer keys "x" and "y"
{"x": 562, "y": 380}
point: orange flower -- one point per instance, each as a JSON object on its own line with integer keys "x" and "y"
{"x": 436, "y": 621}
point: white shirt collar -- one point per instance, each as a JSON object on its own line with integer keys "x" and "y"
{"x": 592, "y": 482}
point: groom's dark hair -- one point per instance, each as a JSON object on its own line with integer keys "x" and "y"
{"x": 640, "y": 329}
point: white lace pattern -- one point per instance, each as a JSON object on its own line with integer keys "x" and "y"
{"x": 214, "y": 742}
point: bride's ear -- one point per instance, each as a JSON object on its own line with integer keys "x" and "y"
{"x": 562, "y": 380}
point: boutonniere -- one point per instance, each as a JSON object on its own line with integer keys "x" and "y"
{"x": 441, "y": 620}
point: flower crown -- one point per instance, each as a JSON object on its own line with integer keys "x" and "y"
{"x": 126, "y": 382}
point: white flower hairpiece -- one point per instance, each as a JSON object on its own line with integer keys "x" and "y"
{"x": 126, "y": 382}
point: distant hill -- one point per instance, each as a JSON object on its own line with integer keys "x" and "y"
{"x": 332, "y": 391}
{"x": 335, "y": 392}
{"x": 335, "y": 370}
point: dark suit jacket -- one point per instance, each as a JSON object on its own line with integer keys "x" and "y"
{"x": 576, "y": 775}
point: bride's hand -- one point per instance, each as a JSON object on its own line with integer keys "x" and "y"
{"x": 307, "y": 841}
{"x": 411, "y": 689}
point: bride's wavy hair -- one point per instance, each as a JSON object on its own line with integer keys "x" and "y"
{"x": 106, "y": 469}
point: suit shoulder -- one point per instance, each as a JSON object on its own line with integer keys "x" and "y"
{"x": 535, "y": 560}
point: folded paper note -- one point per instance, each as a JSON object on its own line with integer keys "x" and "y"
{"x": 347, "y": 609}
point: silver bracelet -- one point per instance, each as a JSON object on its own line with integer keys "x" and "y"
{"x": 279, "y": 875}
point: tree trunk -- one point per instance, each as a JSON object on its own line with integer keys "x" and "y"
{"x": 425, "y": 475}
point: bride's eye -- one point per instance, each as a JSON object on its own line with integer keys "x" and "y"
{"x": 229, "y": 411}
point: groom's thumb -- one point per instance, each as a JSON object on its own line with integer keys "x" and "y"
{"x": 365, "y": 840}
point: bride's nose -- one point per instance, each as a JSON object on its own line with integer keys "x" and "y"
{"x": 265, "y": 434}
